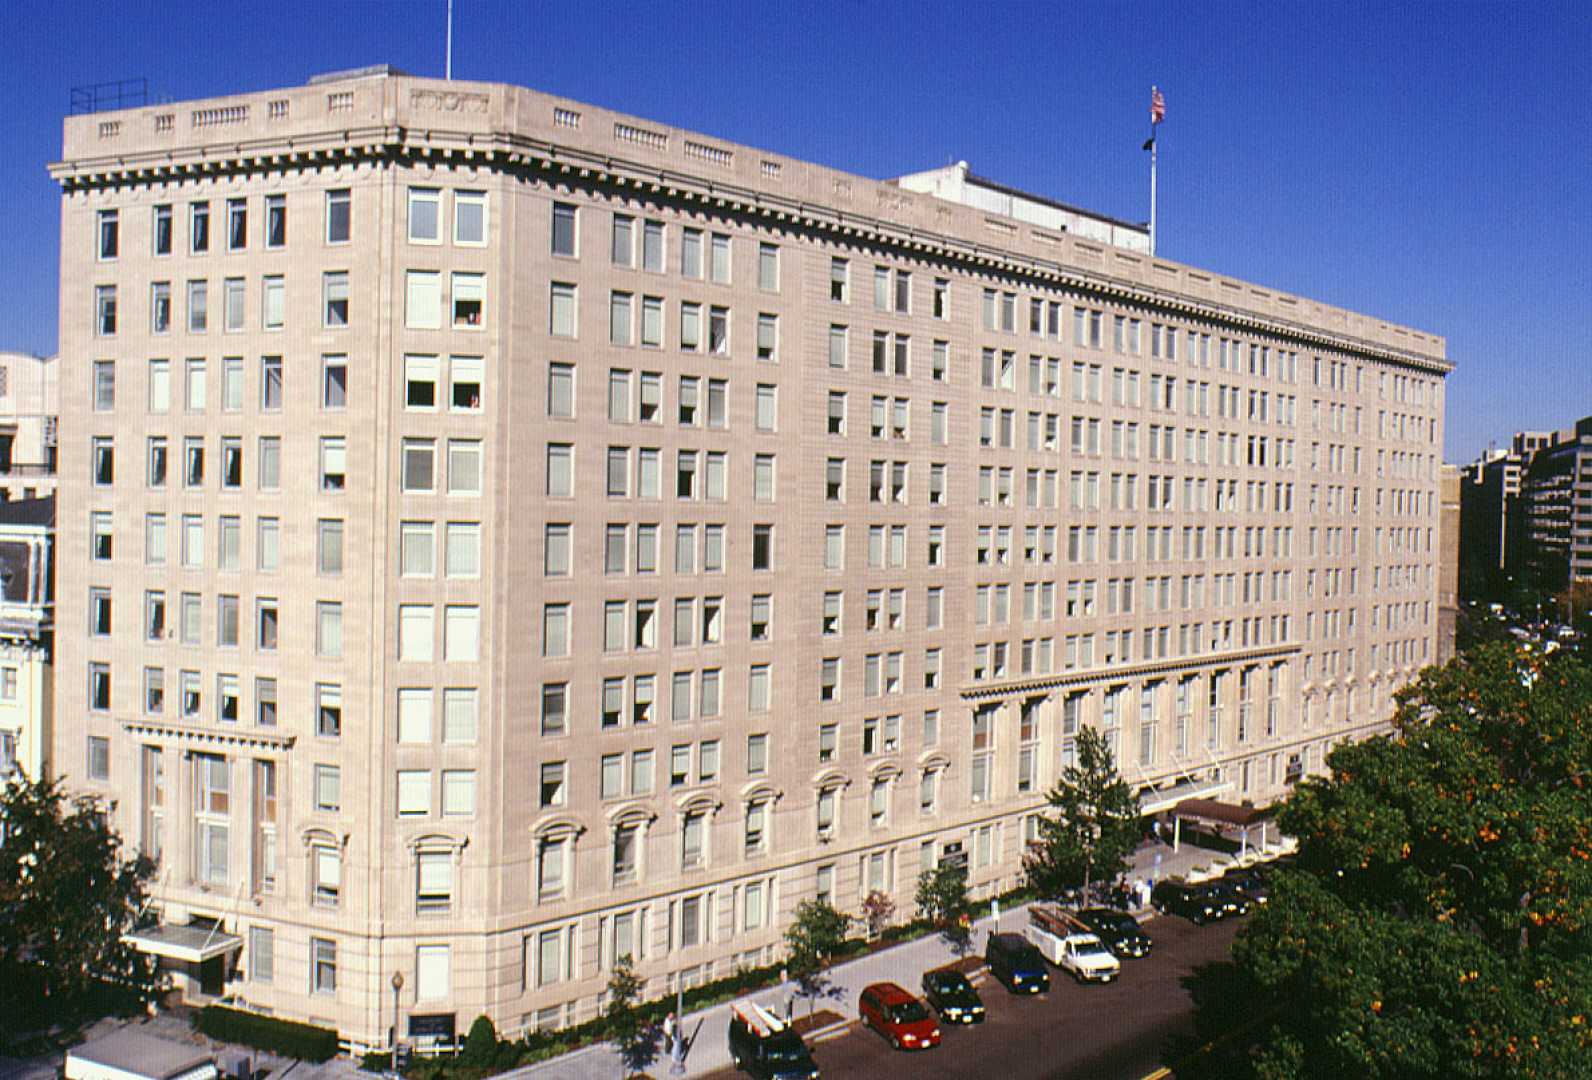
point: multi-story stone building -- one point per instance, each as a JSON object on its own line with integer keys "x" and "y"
{"x": 27, "y": 628}
{"x": 537, "y": 534}
{"x": 29, "y": 405}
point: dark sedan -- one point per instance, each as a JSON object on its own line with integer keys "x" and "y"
{"x": 1120, "y": 931}
{"x": 1226, "y": 894}
{"x": 953, "y": 997}
{"x": 1192, "y": 902}
{"x": 1252, "y": 881}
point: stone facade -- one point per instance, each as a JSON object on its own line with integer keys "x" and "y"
{"x": 575, "y": 536}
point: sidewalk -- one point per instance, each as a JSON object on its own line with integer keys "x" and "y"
{"x": 904, "y": 964}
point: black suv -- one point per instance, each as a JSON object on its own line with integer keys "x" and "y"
{"x": 952, "y": 996}
{"x": 1225, "y": 893}
{"x": 1192, "y": 902}
{"x": 1119, "y": 930}
{"x": 779, "y": 1056}
{"x": 1016, "y": 963}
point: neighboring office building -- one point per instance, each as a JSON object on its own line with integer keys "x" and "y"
{"x": 29, "y": 404}
{"x": 27, "y": 630}
{"x": 1492, "y": 528}
{"x": 1450, "y": 488}
{"x": 1556, "y": 509}
{"x": 545, "y": 535}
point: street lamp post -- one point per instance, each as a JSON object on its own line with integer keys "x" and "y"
{"x": 677, "y": 1051}
{"x": 397, "y": 986}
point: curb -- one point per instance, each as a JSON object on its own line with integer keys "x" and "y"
{"x": 833, "y": 1031}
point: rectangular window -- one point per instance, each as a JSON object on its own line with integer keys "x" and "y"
{"x": 198, "y": 306}
{"x": 425, "y": 215}
{"x": 273, "y": 301}
{"x": 270, "y": 383}
{"x": 563, "y": 313}
{"x": 423, "y": 300}
{"x": 237, "y": 224}
{"x": 270, "y": 462}
{"x": 469, "y": 218}
{"x": 232, "y": 305}
{"x": 162, "y": 229}
{"x": 199, "y": 227}
{"x": 328, "y": 789}
{"x": 328, "y": 629}
{"x": 563, "y": 236}
{"x": 469, "y": 300}
{"x": 334, "y": 464}
{"x": 104, "y": 385}
{"x": 414, "y": 793}
{"x": 334, "y": 293}
{"x": 339, "y": 216}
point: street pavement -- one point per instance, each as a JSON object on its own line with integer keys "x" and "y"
{"x": 1124, "y": 1030}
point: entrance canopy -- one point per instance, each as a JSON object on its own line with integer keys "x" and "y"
{"x": 192, "y": 944}
{"x": 1212, "y": 812}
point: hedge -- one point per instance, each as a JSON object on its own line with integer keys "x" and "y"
{"x": 303, "y": 1041}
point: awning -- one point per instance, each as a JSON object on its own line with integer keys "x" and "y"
{"x": 1156, "y": 802}
{"x": 193, "y": 944}
{"x": 1220, "y": 813}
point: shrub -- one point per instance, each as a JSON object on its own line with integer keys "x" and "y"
{"x": 480, "y": 1046}
{"x": 304, "y": 1041}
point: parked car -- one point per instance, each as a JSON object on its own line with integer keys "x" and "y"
{"x": 1252, "y": 881}
{"x": 1225, "y": 893}
{"x": 1192, "y": 902}
{"x": 764, "y": 1045}
{"x": 1120, "y": 931}
{"x": 898, "y": 1016}
{"x": 1017, "y": 964}
{"x": 950, "y": 994}
{"x": 1070, "y": 945}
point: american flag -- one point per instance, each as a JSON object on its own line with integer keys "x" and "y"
{"x": 1157, "y": 105}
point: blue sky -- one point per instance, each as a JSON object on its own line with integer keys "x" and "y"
{"x": 1427, "y": 164}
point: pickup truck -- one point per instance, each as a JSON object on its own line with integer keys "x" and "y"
{"x": 1070, "y": 945}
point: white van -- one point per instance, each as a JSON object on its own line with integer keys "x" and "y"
{"x": 133, "y": 1055}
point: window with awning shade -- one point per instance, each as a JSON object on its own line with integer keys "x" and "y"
{"x": 423, "y": 300}
{"x": 433, "y": 972}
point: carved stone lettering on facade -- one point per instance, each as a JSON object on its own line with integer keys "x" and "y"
{"x": 449, "y": 101}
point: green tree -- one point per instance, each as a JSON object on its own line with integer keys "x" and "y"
{"x": 816, "y": 933}
{"x": 67, "y": 895}
{"x": 1439, "y": 921}
{"x": 942, "y": 899}
{"x": 624, "y": 1019}
{"x": 1095, "y": 826}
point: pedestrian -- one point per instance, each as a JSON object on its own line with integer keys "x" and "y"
{"x": 669, "y": 1026}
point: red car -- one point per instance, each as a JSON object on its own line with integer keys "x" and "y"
{"x": 899, "y": 1017}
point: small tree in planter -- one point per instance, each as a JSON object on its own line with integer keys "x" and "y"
{"x": 816, "y": 934}
{"x": 636, "y": 1050}
{"x": 877, "y": 911}
{"x": 942, "y": 900}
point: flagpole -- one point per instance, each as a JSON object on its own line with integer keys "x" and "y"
{"x": 1152, "y": 190}
{"x": 447, "y": 70}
